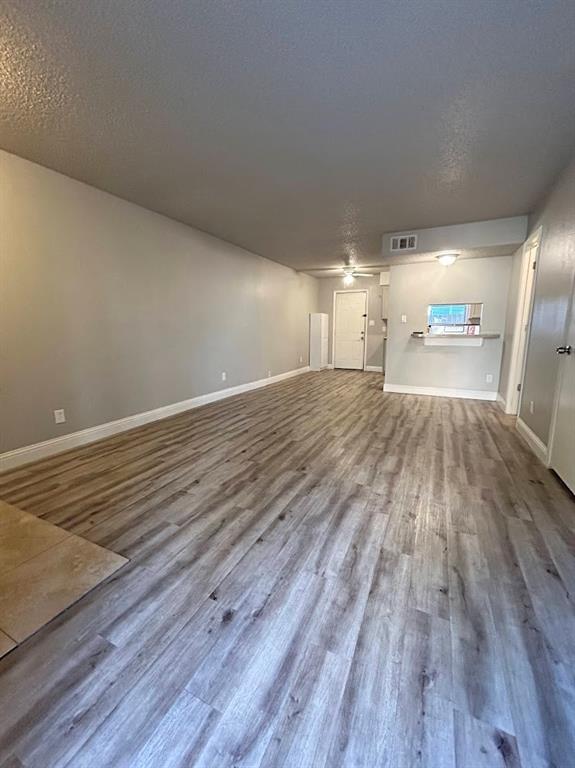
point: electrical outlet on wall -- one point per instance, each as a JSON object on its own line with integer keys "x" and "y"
{"x": 404, "y": 318}
{"x": 489, "y": 378}
{"x": 531, "y": 406}
{"x": 301, "y": 358}
{"x": 59, "y": 416}
{"x": 224, "y": 375}
{"x": 372, "y": 322}
{"x": 269, "y": 374}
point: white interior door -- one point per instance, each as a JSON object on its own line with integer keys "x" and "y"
{"x": 525, "y": 305}
{"x": 563, "y": 438}
{"x": 349, "y": 329}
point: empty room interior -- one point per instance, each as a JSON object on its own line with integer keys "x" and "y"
{"x": 287, "y": 384}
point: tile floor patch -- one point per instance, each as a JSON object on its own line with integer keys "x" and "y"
{"x": 43, "y": 570}
{"x": 6, "y": 644}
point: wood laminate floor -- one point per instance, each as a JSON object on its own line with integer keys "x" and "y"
{"x": 320, "y": 575}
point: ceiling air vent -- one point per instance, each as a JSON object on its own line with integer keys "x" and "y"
{"x": 403, "y": 243}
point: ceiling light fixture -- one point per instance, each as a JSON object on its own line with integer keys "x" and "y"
{"x": 447, "y": 259}
{"x": 348, "y": 279}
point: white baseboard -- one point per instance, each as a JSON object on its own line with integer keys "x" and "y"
{"x": 535, "y": 443}
{"x": 29, "y": 453}
{"x": 329, "y": 366}
{"x": 470, "y": 394}
{"x": 374, "y": 368}
{"x": 501, "y": 402}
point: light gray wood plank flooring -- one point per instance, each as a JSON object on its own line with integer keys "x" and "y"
{"x": 321, "y": 576}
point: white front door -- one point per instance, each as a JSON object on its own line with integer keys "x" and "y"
{"x": 563, "y": 438}
{"x": 349, "y": 329}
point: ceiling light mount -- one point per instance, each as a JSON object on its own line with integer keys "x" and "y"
{"x": 447, "y": 259}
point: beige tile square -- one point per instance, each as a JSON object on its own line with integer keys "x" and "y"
{"x": 10, "y": 514}
{"x": 25, "y": 536}
{"x": 32, "y": 593}
{"x": 6, "y": 644}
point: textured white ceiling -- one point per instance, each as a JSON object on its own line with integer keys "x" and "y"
{"x": 300, "y": 130}
{"x": 384, "y": 262}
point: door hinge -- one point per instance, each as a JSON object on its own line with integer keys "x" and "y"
{"x": 534, "y": 265}
{"x": 519, "y": 387}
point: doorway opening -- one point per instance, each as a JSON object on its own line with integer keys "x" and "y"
{"x": 349, "y": 329}
{"x": 522, "y": 323}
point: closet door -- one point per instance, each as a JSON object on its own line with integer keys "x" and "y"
{"x": 563, "y": 436}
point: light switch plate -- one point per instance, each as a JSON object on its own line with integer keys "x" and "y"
{"x": 404, "y": 318}
{"x": 372, "y": 322}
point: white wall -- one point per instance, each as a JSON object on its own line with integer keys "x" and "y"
{"x": 415, "y": 286}
{"x": 108, "y": 310}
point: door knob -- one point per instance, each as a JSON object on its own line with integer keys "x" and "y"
{"x": 564, "y": 350}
